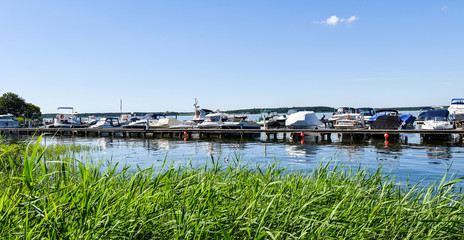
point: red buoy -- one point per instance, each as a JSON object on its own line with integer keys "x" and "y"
{"x": 386, "y": 135}
{"x": 302, "y": 134}
{"x": 185, "y": 139}
{"x": 185, "y": 133}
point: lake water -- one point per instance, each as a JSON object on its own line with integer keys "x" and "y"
{"x": 403, "y": 159}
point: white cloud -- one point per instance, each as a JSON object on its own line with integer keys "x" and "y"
{"x": 334, "y": 20}
{"x": 352, "y": 19}
{"x": 444, "y": 8}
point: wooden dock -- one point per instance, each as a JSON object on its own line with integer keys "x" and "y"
{"x": 295, "y": 134}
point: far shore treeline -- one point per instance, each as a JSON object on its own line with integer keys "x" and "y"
{"x": 281, "y": 110}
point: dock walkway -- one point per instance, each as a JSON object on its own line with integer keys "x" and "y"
{"x": 219, "y": 133}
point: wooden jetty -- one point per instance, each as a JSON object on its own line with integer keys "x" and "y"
{"x": 295, "y": 134}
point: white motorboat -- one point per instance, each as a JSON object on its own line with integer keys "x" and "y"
{"x": 165, "y": 123}
{"x": 239, "y": 122}
{"x": 303, "y": 120}
{"x": 65, "y": 119}
{"x": 350, "y": 121}
{"x": 437, "y": 119}
{"x": 199, "y": 117}
{"x": 108, "y": 122}
{"x": 127, "y": 118}
{"x": 456, "y": 109}
{"x": 200, "y": 113}
{"x": 148, "y": 119}
{"x": 269, "y": 118}
{"x": 366, "y": 113}
{"x": 9, "y": 121}
{"x": 153, "y": 120}
{"x": 214, "y": 120}
{"x": 189, "y": 124}
{"x": 341, "y": 111}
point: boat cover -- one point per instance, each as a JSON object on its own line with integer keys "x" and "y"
{"x": 304, "y": 119}
{"x": 386, "y": 122}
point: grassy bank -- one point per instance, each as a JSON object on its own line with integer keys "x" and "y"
{"x": 46, "y": 195}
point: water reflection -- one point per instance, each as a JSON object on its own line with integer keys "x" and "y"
{"x": 401, "y": 157}
{"x": 437, "y": 153}
{"x": 303, "y": 151}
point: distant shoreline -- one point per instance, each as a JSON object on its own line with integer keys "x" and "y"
{"x": 282, "y": 110}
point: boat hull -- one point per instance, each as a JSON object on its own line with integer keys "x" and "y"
{"x": 437, "y": 125}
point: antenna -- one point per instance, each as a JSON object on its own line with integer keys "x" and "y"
{"x": 120, "y": 105}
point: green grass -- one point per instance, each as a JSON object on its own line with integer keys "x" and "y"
{"x": 58, "y": 197}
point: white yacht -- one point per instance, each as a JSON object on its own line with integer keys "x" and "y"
{"x": 456, "y": 109}
{"x": 154, "y": 120}
{"x": 199, "y": 117}
{"x": 268, "y": 118}
{"x": 127, "y": 118}
{"x": 108, "y": 122}
{"x": 367, "y": 113}
{"x": 165, "y": 123}
{"x": 239, "y": 122}
{"x": 303, "y": 120}
{"x": 9, "y": 121}
{"x": 200, "y": 113}
{"x": 437, "y": 119}
{"x": 65, "y": 119}
{"x": 350, "y": 121}
{"x": 341, "y": 111}
{"x": 214, "y": 120}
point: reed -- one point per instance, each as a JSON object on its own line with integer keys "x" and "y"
{"x": 59, "y": 196}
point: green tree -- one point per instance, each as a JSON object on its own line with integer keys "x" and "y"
{"x": 12, "y": 103}
{"x": 16, "y": 105}
{"x": 32, "y": 111}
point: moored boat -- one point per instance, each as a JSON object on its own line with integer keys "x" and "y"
{"x": 456, "y": 109}
{"x": 214, "y": 120}
{"x": 108, "y": 122}
{"x": 303, "y": 120}
{"x": 437, "y": 119}
{"x": 407, "y": 120}
{"x": 239, "y": 122}
{"x": 385, "y": 119}
{"x": 269, "y": 118}
{"x": 341, "y": 111}
{"x": 367, "y": 113}
{"x": 350, "y": 121}
{"x": 9, "y": 121}
{"x": 65, "y": 119}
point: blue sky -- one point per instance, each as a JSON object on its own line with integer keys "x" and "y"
{"x": 160, "y": 55}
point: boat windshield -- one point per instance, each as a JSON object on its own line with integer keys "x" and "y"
{"x": 214, "y": 118}
{"x": 366, "y": 111}
{"x": 344, "y": 110}
{"x": 436, "y": 119}
{"x": 6, "y": 117}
